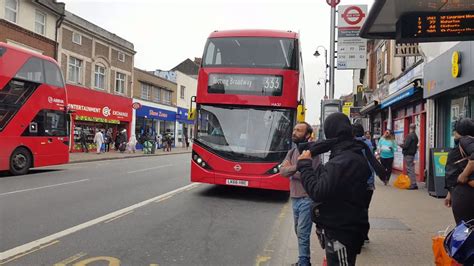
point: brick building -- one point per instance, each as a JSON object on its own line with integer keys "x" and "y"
{"x": 98, "y": 70}
{"x": 31, "y": 24}
{"x": 157, "y": 97}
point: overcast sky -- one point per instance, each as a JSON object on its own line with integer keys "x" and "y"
{"x": 167, "y": 32}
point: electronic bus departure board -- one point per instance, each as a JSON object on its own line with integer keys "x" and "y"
{"x": 436, "y": 27}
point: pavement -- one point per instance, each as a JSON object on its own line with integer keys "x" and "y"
{"x": 92, "y": 156}
{"x": 402, "y": 225}
{"x": 145, "y": 211}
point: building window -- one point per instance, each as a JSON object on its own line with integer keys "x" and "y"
{"x": 120, "y": 83}
{"x": 167, "y": 96}
{"x": 76, "y": 38}
{"x": 121, "y": 57}
{"x": 181, "y": 93}
{"x": 75, "y": 70}
{"x": 40, "y": 22}
{"x": 157, "y": 94}
{"x": 11, "y": 10}
{"x": 146, "y": 90}
{"x": 99, "y": 77}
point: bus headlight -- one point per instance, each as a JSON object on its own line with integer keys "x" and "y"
{"x": 274, "y": 170}
{"x": 199, "y": 161}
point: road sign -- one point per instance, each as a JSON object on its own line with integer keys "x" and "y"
{"x": 352, "y": 50}
{"x": 333, "y": 3}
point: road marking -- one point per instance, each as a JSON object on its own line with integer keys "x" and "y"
{"x": 111, "y": 261}
{"x": 26, "y": 252}
{"x": 36, "y": 188}
{"x": 71, "y": 259}
{"x": 115, "y": 218}
{"x": 165, "y": 198}
{"x": 28, "y": 246}
{"x": 268, "y": 248}
{"x": 151, "y": 168}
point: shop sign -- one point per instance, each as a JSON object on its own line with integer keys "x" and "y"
{"x": 96, "y": 119}
{"x": 407, "y": 49}
{"x": 156, "y": 113}
{"x": 456, "y": 64}
{"x": 403, "y": 81}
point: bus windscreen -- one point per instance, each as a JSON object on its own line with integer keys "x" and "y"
{"x": 246, "y": 134}
{"x": 251, "y": 52}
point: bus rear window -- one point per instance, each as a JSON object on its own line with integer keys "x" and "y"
{"x": 251, "y": 52}
{"x": 2, "y": 51}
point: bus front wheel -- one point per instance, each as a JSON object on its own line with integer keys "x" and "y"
{"x": 20, "y": 161}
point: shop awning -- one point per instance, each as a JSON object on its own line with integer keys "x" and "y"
{"x": 369, "y": 107}
{"x": 398, "y": 96}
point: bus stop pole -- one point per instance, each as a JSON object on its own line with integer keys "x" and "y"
{"x": 332, "y": 47}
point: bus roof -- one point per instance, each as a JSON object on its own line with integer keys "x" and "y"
{"x": 254, "y": 33}
{"x": 18, "y": 49}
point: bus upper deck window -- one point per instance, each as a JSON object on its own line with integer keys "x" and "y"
{"x": 32, "y": 70}
{"x": 53, "y": 74}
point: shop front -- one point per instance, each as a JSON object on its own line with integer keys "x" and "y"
{"x": 152, "y": 119}
{"x": 184, "y": 127}
{"x": 94, "y": 110}
{"x": 450, "y": 85}
{"x": 404, "y": 106}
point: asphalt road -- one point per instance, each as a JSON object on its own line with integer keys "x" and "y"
{"x": 140, "y": 211}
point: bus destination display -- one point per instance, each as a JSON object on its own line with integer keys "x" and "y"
{"x": 433, "y": 27}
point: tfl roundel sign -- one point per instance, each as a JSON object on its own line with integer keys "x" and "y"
{"x": 352, "y": 16}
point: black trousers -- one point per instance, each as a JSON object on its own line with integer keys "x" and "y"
{"x": 387, "y": 163}
{"x": 368, "y": 199}
{"x": 462, "y": 200}
{"x": 338, "y": 254}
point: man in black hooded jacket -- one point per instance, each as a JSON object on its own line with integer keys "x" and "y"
{"x": 339, "y": 190}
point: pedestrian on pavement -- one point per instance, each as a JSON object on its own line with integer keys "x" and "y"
{"x": 169, "y": 140}
{"x": 368, "y": 136}
{"x": 409, "y": 151}
{"x": 358, "y": 132}
{"x": 83, "y": 140}
{"x": 98, "y": 140}
{"x": 117, "y": 140}
{"x": 300, "y": 200}
{"x": 186, "y": 141}
{"x": 123, "y": 139}
{"x": 108, "y": 140}
{"x": 339, "y": 190}
{"x": 132, "y": 144}
{"x": 460, "y": 183}
{"x": 386, "y": 150}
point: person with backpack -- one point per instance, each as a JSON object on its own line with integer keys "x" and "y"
{"x": 338, "y": 189}
{"x": 460, "y": 183}
{"x": 375, "y": 167}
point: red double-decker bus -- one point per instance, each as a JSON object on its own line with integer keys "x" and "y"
{"x": 250, "y": 88}
{"x": 33, "y": 115}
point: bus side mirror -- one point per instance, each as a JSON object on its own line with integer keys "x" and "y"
{"x": 192, "y": 114}
{"x": 301, "y": 113}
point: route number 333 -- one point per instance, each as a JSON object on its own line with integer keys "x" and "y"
{"x": 271, "y": 83}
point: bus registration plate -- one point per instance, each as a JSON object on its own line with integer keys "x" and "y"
{"x": 233, "y": 182}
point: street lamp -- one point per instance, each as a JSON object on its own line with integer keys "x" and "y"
{"x": 326, "y": 80}
{"x": 325, "y": 86}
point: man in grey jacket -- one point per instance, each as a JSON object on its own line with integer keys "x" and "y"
{"x": 300, "y": 200}
{"x": 409, "y": 151}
